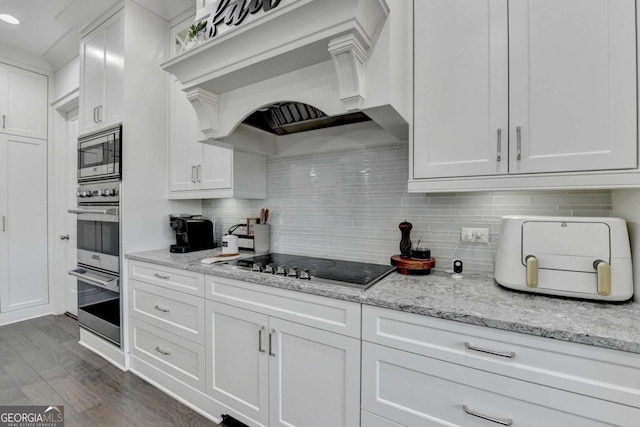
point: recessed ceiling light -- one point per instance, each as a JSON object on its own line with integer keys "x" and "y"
{"x": 9, "y": 19}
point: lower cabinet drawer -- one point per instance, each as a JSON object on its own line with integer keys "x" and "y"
{"x": 420, "y": 391}
{"x": 182, "y": 359}
{"x": 172, "y": 311}
{"x": 367, "y": 419}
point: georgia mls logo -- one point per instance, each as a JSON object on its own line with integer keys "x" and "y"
{"x": 32, "y": 416}
{"x": 222, "y": 15}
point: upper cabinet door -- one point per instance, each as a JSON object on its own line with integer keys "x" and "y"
{"x": 572, "y": 85}
{"x": 461, "y": 88}
{"x": 114, "y": 72}
{"x": 102, "y": 76}
{"x": 92, "y": 79}
{"x": 25, "y": 108}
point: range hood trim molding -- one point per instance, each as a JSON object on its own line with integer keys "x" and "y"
{"x": 349, "y": 57}
{"x": 342, "y": 47}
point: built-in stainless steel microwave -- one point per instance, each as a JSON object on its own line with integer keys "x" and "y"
{"x": 99, "y": 155}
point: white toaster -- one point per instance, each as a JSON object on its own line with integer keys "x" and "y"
{"x": 568, "y": 256}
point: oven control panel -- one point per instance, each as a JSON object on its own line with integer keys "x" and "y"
{"x": 98, "y": 193}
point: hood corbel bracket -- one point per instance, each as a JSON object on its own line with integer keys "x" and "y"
{"x": 205, "y": 104}
{"x": 349, "y": 55}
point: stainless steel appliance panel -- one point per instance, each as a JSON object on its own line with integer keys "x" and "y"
{"x": 99, "y": 155}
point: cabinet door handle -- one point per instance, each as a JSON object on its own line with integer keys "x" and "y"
{"x": 519, "y": 142}
{"x": 95, "y": 120}
{"x": 499, "y": 156}
{"x": 164, "y": 310}
{"x": 507, "y": 354}
{"x": 4, "y": 121}
{"x": 99, "y": 113}
{"x": 163, "y": 352}
{"x": 161, "y": 276}
{"x": 4, "y": 223}
{"x": 260, "y": 349}
{"x": 198, "y": 173}
{"x": 271, "y": 332}
{"x": 501, "y": 421}
{"x": 193, "y": 174}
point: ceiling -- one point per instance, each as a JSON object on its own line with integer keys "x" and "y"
{"x": 50, "y": 29}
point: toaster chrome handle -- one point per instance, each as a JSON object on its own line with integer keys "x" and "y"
{"x": 532, "y": 271}
{"x": 603, "y": 270}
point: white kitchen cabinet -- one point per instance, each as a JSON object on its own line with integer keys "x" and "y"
{"x": 23, "y": 102}
{"x": 281, "y": 372}
{"x": 102, "y": 75}
{"x": 237, "y": 360}
{"x": 23, "y": 211}
{"x": 314, "y": 377}
{"x": 570, "y": 113}
{"x": 461, "y": 88}
{"x": 203, "y": 171}
{"x": 421, "y": 371}
{"x": 198, "y": 170}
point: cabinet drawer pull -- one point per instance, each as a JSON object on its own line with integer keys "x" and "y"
{"x": 260, "y": 349}
{"x": 508, "y": 354}
{"x": 161, "y": 276}
{"x": 499, "y": 156}
{"x": 501, "y": 421}
{"x": 161, "y": 351}
{"x": 519, "y": 142}
{"x": 164, "y": 310}
{"x": 271, "y": 332}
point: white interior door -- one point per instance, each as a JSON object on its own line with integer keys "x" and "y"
{"x": 573, "y": 91}
{"x": 70, "y": 226}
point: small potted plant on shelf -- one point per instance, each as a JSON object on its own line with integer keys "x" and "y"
{"x": 196, "y": 34}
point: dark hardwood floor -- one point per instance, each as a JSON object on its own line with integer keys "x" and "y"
{"x": 41, "y": 363}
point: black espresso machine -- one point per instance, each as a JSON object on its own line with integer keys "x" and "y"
{"x": 193, "y": 233}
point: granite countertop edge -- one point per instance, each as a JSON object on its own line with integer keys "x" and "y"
{"x": 392, "y": 293}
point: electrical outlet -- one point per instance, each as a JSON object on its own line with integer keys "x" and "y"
{"x": 474, "y": 235}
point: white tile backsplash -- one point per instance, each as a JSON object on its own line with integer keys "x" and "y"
{"x": 348, "y": 203}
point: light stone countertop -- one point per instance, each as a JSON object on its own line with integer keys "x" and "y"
{"x": 475, "y": 299}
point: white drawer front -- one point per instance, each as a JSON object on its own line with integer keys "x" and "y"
{"x": 594, "y": 371}
{"x": 368, "y": 419}
{"x": 330, "y": 314}
{"x": 172, "y": 311}
{"x": 167, "y": 277}
{"x": 419, "y": 391}
{"x": 182, "y": 359}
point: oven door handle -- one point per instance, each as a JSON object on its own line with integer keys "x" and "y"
{"x": 111, "y": 285}
{"x": 105, "y": 211}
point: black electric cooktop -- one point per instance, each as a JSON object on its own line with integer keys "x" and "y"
{"x": 324, "y": 270}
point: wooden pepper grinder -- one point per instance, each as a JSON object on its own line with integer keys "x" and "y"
{"x": 405, "y": 243}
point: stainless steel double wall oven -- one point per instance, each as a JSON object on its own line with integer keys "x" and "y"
{"x": 99, "y": 227}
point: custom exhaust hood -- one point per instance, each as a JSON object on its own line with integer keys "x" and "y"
{"x": 274, "y": 67}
